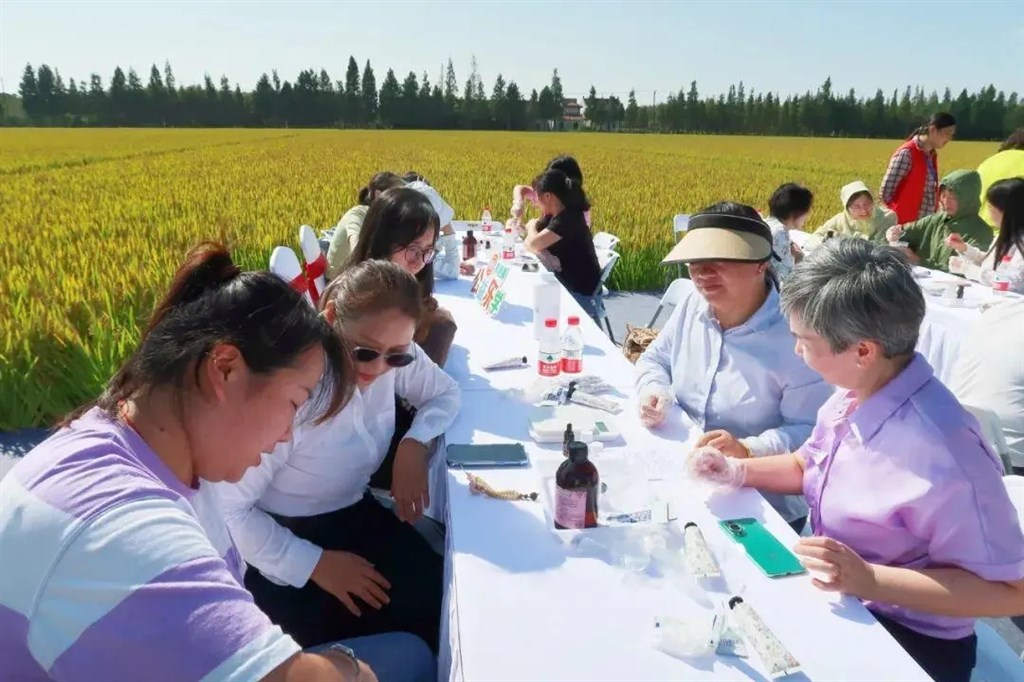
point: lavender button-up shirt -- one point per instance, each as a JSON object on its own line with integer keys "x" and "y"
{"x": 907, "y": 480}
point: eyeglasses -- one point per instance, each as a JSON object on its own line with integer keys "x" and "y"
{"x": 366, "y": 355}
{"x": 414, "y": 253}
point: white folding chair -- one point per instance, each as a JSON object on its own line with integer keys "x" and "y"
{"x": 316, "y": 262}
{"x": 996, "y": 660}
{"x": 607, "y": 259}
{"x": 672, "y": 296}
{"x": 285, "y": 264}
{"x": 680, "y": 223}
{"x": 605, "y": 240}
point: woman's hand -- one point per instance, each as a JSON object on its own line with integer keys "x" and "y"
{"x": 708, "y": 464}
{"x": 796, "y": 251}
{"x": 467, "y": 267}
{"x": 409, "y": 486}
{"x": 956, "y": 242}
{"x": 843, "y": 569}
{"x": 893, "y": 234}
{"x": 346, "y": 575}
{"x": 724, "y": 442}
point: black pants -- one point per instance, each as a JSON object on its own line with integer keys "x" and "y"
{"x": 799, "y": 524}
{"x": 313, "y": 616}
{"x": 945, "y": 660}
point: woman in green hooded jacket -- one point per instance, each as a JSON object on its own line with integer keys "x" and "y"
{"x": 925, "y": 239}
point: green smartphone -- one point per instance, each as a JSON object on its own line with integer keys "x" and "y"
{"x": 770, "y": 555}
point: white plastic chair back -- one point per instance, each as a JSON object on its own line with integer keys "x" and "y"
{"x": 672, "y": 296}
{"x": 316, "y": 262}
{"x": 607, "y": 259}
{"x": 497, "y": 227}
{"x": 680, "y": 224}
{"x": 285, "y": 264}
{"x": 605, "y": 240}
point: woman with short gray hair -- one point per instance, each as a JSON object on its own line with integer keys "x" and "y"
{"x": 908, "y": 508}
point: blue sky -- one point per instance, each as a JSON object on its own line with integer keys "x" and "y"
{"x": 783, "y": 46}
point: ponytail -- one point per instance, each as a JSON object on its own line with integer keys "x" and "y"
{"x": 940, "y": 120}
{"x": 211, "y": 301}
{"x": 568, "y": 190}
{"x": 380, "y": 182}
{"x": 207, "y": 266}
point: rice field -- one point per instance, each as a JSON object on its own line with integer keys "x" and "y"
{"x": 95, "y": 221}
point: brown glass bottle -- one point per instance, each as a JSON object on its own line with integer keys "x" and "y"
{"x": 576, "y": 489}
{"x": 469, "y": 246}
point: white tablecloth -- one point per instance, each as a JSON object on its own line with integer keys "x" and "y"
{"x": 947, "y": 321}
{"x": 520, "y": 604}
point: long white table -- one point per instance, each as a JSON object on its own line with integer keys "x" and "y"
{"x": 522, "y": 604}
{"x": 947, "y": 322}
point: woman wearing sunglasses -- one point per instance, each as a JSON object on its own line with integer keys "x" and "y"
{"x": 403, "y": 227}
{"x": 326, "y": 559}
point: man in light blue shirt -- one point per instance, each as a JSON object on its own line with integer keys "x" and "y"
{"x": 726, "y": 354}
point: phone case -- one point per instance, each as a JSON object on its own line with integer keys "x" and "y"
{"x": 494, "y": 456}
{"x": 764, "y": 549}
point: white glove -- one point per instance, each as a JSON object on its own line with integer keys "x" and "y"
{"x": 956, "y": 265}
{"x": 654, "y": 403}
{"x": 708, "y": 464}
{"x": 893, "y": 234}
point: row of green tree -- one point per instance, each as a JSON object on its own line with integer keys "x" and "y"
{"x": 315, "y": 100}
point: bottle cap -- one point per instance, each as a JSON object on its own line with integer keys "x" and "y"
{"x": 577, "y": 450}
{"x": 469, "y": 233}
{"x": 574, "y": 320}
{"x": 550, "y": 322}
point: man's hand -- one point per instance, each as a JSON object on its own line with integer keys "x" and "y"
{"x": 724, "y": 442}
{"x": 346, "y": 575}
{"x": 409, "y": 486}
{"x": 654, "y": 404}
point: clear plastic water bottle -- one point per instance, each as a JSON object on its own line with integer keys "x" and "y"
{"x": 549, "y": 357}
{"x": 508, "y": 245}
{"x": 1001, "y": 281}
{"x": 572, "y": 347}
{"x": 486, "y": 219}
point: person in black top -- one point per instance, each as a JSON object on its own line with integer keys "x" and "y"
{"x": 564, "y": 233}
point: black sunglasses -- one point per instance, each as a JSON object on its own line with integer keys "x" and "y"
{"x": 396, "y": 360}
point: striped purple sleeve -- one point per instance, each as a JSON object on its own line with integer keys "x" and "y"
{"x": 144, "y": 595}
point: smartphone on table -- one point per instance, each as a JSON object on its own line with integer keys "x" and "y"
{"x": 764, "y": 549}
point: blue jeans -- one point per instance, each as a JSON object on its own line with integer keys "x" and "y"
{"x": 393, "y": 656}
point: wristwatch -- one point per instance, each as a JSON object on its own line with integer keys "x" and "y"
{"x": 350, "y": 655}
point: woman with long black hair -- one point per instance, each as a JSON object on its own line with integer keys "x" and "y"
{"x": 1005, "y": 201}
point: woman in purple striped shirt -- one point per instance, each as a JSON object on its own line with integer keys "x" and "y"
{"x": 113, "y": 568}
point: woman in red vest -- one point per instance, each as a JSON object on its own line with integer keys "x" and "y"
{"x": 911, "y": 182}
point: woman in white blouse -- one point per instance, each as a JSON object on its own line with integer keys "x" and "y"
{"x": 326, "y": 560}
{"x": 1005, "y": 259}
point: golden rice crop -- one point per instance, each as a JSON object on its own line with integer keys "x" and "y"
{"x": 95, "y": 221}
